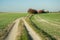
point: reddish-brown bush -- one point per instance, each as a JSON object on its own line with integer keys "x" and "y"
{"x": 32, "y": 11}
{"x": 41, "y": 11}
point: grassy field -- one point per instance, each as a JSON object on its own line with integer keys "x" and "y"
{"x": 54, "y": 17}
{"x": 7, "y": 18}
{"x": 49, "y": 23}
{"x": 44, "y": 24}
{"x": 6, "y": 22}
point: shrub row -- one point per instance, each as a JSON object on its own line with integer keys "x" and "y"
{"x": 36, "y": 12}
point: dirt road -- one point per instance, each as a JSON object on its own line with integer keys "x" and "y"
{"x": 32, "y": 33}
{"x": 14, "y": 32}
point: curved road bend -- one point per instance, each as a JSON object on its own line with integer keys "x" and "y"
{"x": 33, "y": 34}
{"x": 14, "y": 32}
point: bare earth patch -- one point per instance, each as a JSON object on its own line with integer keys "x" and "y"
{"x": 14, "y": 32}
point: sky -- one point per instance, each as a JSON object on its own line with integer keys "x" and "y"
{"x": 24, "y": 5}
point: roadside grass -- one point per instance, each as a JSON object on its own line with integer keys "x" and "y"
{"x": 54, "y": 31}
{"x": 7, "y": 18}
{"x": 51, "y": 17}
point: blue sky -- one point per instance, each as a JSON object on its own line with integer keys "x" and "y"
{"x": 24, "y": 5}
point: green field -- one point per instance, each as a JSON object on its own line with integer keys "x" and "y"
{"x": 49, "y": 23}
{"x": 7, "y": 18}
{"x": 46, "y": 24}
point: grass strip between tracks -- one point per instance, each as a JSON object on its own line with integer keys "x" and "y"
{"x": 23, "y": 33}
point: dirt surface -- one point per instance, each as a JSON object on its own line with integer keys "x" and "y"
{"x": 32, "y": 33}
{"x": 14, "y": 32}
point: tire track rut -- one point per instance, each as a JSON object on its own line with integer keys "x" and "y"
{"x": 32, "y": 33}
{"x": 14, "y": 31}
